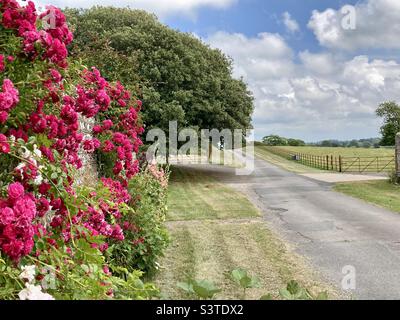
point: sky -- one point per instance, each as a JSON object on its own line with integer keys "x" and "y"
{"x": 318, "y": 69}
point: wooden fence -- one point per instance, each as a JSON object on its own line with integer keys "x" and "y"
{"x": 338, "y": 163}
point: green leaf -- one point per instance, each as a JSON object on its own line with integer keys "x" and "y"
{"x": 205, "y": 289}
{"x": 322, "y": 296}
{"x": 85, "y": 268}
{"x": 293, "y": 287}
{"x": 241, "y": 277}
{"x": 285, "y": 294}
{"x": 186, "y": 286}
{"x": 266, "y": 297}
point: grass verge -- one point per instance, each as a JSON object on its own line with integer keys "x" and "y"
{"x": 214, "y": 230}
{"x": 382, "y": 193}
{"x": 194, "y": 195}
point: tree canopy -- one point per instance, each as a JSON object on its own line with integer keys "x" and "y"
{"x": 390, "y": 112}
{"x": 177, "y": 76}
{"x": 275, "y": 140}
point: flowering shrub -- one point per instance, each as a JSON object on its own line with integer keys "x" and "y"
{"x": 46, "y": 220}
{"x": 145, "y": 228}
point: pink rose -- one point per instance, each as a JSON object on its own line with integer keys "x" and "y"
{"x": 15, "y": 190}
{"x": 7, "y": 216}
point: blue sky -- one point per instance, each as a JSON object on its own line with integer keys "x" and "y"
{"x": 251, "y": 17}
{"x": 312, "y": 78}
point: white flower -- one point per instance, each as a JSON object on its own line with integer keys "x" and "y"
{"x": 28, "y": 273}
{"x": 38, "y": 180}
{"x": 36, "y": 151}
{"x": 32, "y": 292}
{"x": 25, "y": 153}
{"x": 20, "y": 167}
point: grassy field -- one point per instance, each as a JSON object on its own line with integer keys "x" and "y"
{"x": 345, "y": 152}
{"x": 262, "y": 153}
{"x": 381, "y": 193}
{"x": 215, "y": 230}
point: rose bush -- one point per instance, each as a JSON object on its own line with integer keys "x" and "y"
{"x": 50, "y": 225}
{"x": 145, "y": 232}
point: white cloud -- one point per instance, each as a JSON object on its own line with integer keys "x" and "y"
{"x": 265, "y": 54}
{"x": 377, "y": 24}
{"x": 317, "y": 96}
{"x": 322, "y": 63}
{"x": 159, "y": 7}
{"x": 291, "y": 25}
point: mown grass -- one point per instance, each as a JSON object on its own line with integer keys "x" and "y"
{"x": 345, "y": 152}
{"x": 263, "y": 153}
{"x": 214, "y": 230}
{"x": 211, "y": 200}
{"x": 382, "y": 193}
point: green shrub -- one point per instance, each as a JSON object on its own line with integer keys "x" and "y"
{"x": 145, "y": 226}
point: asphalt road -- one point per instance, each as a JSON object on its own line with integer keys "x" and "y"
{"x": 330, "y": 229}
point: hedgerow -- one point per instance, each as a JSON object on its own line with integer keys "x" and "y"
{"x": 56, "y": 234}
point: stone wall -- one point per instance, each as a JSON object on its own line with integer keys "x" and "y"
{"x": 88, "y": 174}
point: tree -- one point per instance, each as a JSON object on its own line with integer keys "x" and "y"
{"x": 390, "y": 112}
{"x": 274, "y": 140}
{"x": 296, "y": 142}
{"x": 177, "y": 76}
{"x": 354, "y": 144}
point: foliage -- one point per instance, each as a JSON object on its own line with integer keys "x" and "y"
{"x": 47, "y": 220}
{"x": 244, "y": 280}
{"x": 179, "y": 77}
{"x": 144, "y": 228}
{"x": 294, "y": 291}
{"x": 203, "y": 289}
{"x": 390, "y": 112}
{"x": 274, "y": 140}
{"x": 361, "y": 143}
{"x": 296, "y": 142}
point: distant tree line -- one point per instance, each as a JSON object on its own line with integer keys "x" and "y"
{"x": 361, "y": 143}
{"x": 275, "y": 140}
{"x": 389, "y": 111}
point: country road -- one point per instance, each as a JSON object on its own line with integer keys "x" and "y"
{"x": 330, "y": 229}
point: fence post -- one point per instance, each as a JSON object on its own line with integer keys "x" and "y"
{"x": 340, "y": 164}
{"x": 398, "y": 156}
{"x": 327, "y": 163}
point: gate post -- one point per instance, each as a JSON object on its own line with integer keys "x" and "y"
{"x": 398, "y": 155}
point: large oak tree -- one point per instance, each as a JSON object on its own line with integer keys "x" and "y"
{"x": 179, "y": 77}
